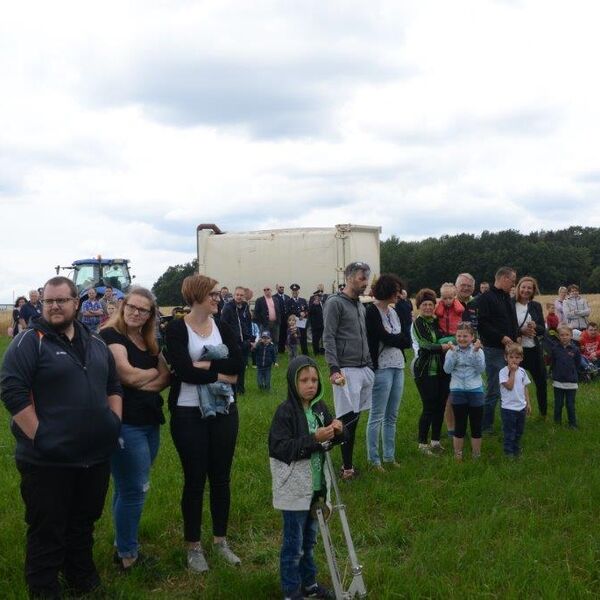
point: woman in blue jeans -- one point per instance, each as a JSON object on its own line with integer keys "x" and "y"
{"x": 143, "y": 372}
{"x": 386, "y": 341}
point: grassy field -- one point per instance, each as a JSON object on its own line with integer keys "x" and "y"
{"x": 431, "y": 529}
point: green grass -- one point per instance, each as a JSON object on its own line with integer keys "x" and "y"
{"x": 431, "y": 529}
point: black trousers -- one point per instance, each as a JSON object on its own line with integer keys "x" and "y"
{"x": 205, "y": 448}
{"x": 241, "y": 382}
{"x": 61, "y": 506}
{"x": 317, "y": 334}
{"x": 303, "y": 340}
{"x": 533, "y": 361}
{"x": 474, "y": 414}
{"x": 350, "y": 421}
{"x": 282, "y": 336}
{"x": 433, "y": 390}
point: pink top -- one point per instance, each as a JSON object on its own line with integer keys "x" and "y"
{"x": 271, "y": 309}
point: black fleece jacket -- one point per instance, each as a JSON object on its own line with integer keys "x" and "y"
{"x": 496, "y": 317}
{"x": 70, "y": 396}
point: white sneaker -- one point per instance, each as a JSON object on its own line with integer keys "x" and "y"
{"x": 425, "y": 449}
{"x": 196, "y": 560}
{"x": 227, "y": 553}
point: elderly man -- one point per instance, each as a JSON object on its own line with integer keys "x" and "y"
{"x": 497, "y": 327}
{"x": 267, "y": 313}
{"x": 348, "y": 357}
{"x": 60, "y": 385}
{"x": 30, "y": 310}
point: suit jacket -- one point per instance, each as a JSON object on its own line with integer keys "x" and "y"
{"x": 261, "y": 311}
{"x": 281, "y": 299}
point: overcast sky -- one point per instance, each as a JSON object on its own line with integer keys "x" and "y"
{"x": 123, "y": 125}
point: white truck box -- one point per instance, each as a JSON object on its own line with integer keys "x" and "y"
{"x": 306, "y": 256}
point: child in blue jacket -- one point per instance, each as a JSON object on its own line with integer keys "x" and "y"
{"x": 266, "y": 356}
{"x": 465, "y": 363}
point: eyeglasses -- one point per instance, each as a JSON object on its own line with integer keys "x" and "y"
{"x": 143, "y": 312}
{"x": 214, "y": 295}
{"x": 58, "y": 301}
{"x": 266, "y": 289}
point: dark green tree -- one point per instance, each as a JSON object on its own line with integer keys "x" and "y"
{"x": 167, "y": 288}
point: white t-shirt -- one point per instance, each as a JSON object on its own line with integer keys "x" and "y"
{"x": 188, "y": 395}
{"x": 523, "y": 317}
{"x": 514, "y": 399}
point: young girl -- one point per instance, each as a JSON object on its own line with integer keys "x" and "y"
{"x": 293, "y": 339}
{"x": 299, "y": 427}
{"x": 565, "y": 359}
{"x": 465, "y": 364}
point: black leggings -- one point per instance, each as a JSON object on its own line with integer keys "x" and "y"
{"x": 205, "y": 448}
{"x": 433, "y": 390}
{"x": 350, "y": 421}
{"x": 462, "y": 412}
{"x": 533, "y": 361}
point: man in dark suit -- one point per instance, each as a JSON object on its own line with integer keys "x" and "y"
{"x": 267, "y": 313}
{"x": 299, "y": 307}
{"x": 281, "y": 299}
{"x": 315, "y": 319}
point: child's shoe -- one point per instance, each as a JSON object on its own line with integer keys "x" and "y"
{"x": 227, "y": 554}
{"x": 348, "y": 474}
{"x": 436, "y": 447}
{"x": 196, "y": 560}
{"x": 318, "y": 591}
{"x": 458, "y": 455}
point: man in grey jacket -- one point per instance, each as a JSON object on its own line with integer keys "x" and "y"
{"x": 347, "y": 354}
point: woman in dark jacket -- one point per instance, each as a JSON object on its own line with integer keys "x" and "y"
{"x": 530, "y": 319}
{"x": 15, "y": 315}
{"x": 386, "y": 341}
{"x": 431, "y": 380}
{"x": 205, "y": 445}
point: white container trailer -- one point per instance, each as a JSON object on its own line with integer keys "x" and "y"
{"x": 306, "y": 256}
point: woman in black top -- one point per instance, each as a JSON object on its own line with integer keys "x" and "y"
{"x": 205, "y": 444}
{"x": 15, "y": 315}
{"x": 532, "y": 327}
{"x": 143, "y": 372}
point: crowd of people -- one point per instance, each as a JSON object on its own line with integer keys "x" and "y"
{"x": 85, "y": 398}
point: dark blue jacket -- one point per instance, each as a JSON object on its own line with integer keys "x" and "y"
{"x": 565, "y": 361}
{"x": 266, "y": 355}
{"x": 77, "y": 427}
{"x": 294, "y": 306}
{"x": 239, "y": 321}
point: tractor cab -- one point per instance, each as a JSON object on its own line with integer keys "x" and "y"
{"x": 100, "y": 273}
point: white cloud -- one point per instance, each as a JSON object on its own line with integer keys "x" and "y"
{"x": 124, "y": 125}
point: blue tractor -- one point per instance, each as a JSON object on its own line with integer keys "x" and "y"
{"x": 98, "y": 273}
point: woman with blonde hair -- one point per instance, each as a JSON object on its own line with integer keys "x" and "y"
{"x": 530, "y": 319}
{"x": 205, "y": 444}
{"x": 129, "y": 334}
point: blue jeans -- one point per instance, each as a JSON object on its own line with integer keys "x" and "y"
{"x": 130, "y": 467}
{"x": 263, "y": 377}
{"x": 387, "y": 394}
{"x": 494, "y": 362}
{"x": 562, "y": 397}
{"x": 296, "y": 561}
{"x": 513, "y": 425}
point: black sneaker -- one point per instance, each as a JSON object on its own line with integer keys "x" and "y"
{"x": 318, "y": 591}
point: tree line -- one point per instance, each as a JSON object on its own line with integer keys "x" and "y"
{"x": 554, "y": 258}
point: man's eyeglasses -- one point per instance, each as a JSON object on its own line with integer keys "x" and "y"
{"x": 143, "y": 312}
{"x": 266, "y": 289}
{"x": 58, "y": 301}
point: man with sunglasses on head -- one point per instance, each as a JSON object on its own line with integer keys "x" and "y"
{"x": 267, "y": 313}
{"x": 60, "y": 385}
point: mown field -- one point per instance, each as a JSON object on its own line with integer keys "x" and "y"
{"x": 431, "y": 529}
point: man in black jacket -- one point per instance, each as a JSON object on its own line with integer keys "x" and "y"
{"x": 267, "y": 313}
{"x": 497, "y": 327}
{"x": 281, "y": 299}
{"x": 237, "y": 315}
{"x": 60, "y": 385}
{"x": 299, "y": 307}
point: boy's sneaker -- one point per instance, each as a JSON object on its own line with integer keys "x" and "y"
{"x": 348, "y": 474}
{"x": 196, "y": 560}
{"x": 318, "y": 591}
{"x": 227, "y": 554}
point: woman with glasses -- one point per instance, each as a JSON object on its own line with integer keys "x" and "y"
{"x": 143, "y": 372}
{"x": 386, "y": 341}
{"x": 205, "y": 443}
